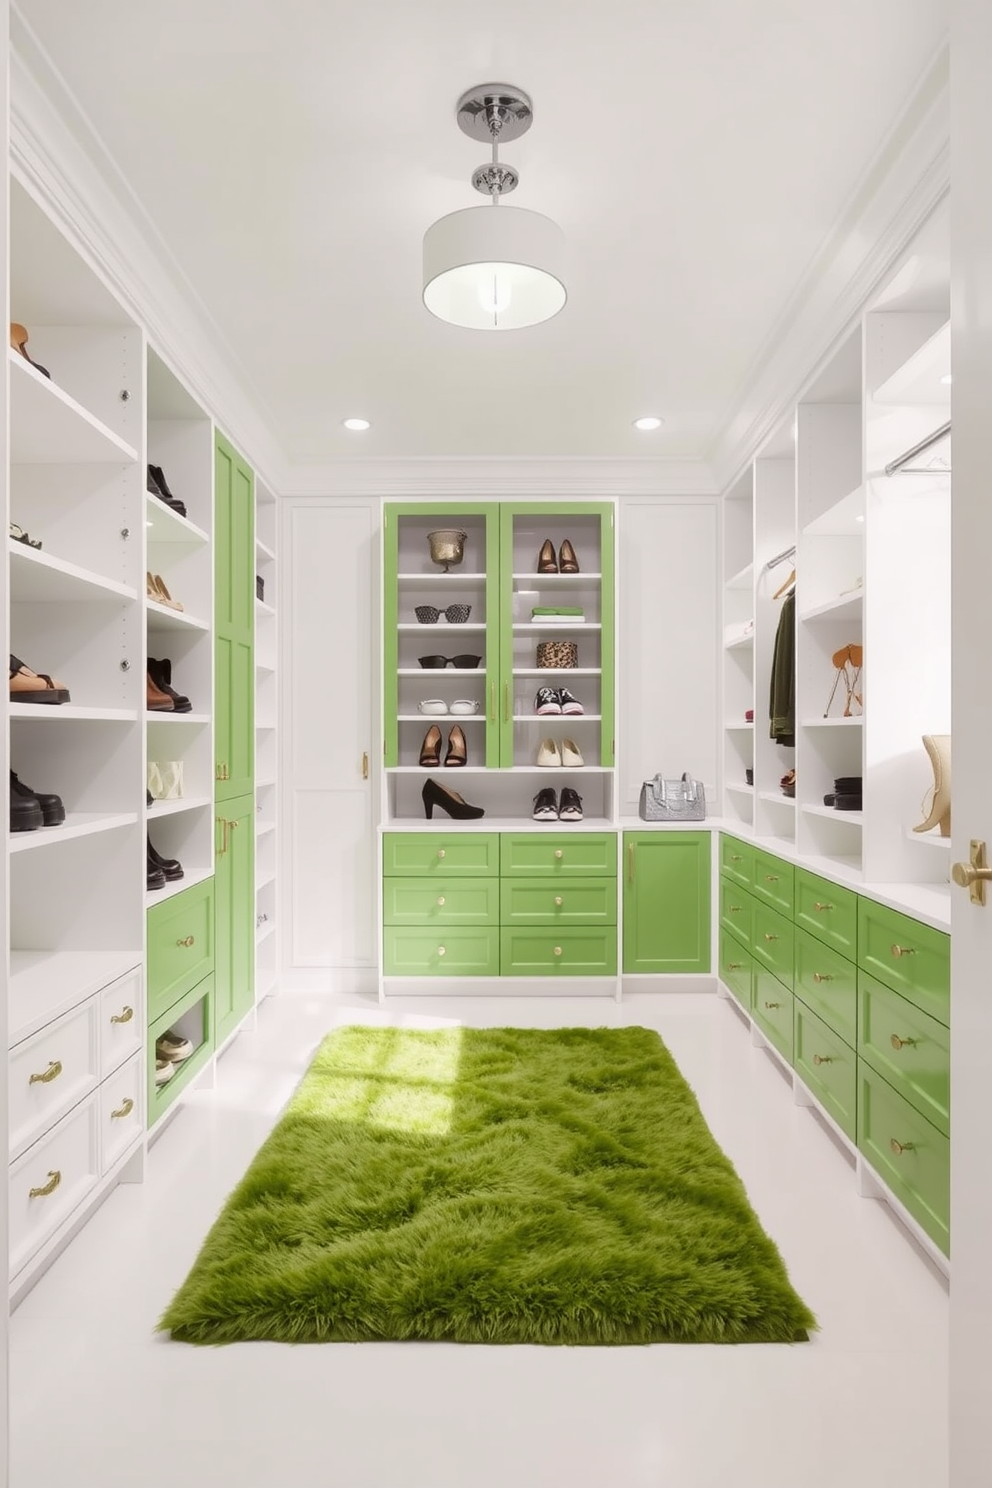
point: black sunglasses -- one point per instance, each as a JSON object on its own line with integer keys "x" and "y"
{"x": 465, "y": 662}
{"x": 455, "y": 614}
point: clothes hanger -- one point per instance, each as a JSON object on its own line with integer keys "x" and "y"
{"x": 790, "y": 581}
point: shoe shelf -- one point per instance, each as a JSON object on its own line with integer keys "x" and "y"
{"x": 525, "y": 627}
{"x": 429, "y": 631}
{"x": 191, "y": 877}
{"x": 263, "y": 550}
{"x": 777, "y": 799}
{"x": 71, "y": 712}
{"x": 849, "y": 818}
{"x": 174, "y": 719}
{"x": 262, "y": 933}
{"x": 449, "y": 718}
{"x": 842, "y": 607}
{"x": 39, "y": 578}
{"x": 742, "y": 579}
{"x": 741, "y": 643}
{"x": 526, "y": 583}
{"x": 833, "y": 723}
{"x": 557, "y": 718}
{"x": 427, "y": 672}
{"x": 174, "y": 808}
{"x": 163, "y": 617}
{"x": 76, "y": 824}
{"x": 44, "y": 418}
{"x": 45, "y": 984}
{"x": 261, "y": 608}
{"x": 557, "y": 672}
{"x": 166, "y": 526}
{"x": 262, "y": 829}
{"x": 741, "y": 790}
{"x": 929, "y": 839}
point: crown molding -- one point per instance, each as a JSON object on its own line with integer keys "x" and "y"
{"x": 60, "y": 160}
{"x": 903, "y": 183}
{"x": 494, "y": 477}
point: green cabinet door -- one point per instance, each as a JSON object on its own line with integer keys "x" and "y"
{"x": 234, "y": 879}
{"x": 234, "y": 623}
{"x": 666, "y": 901}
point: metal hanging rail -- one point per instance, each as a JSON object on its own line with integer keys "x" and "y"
{"x": 781, "y": 557}
{"x": 918, "y": 449}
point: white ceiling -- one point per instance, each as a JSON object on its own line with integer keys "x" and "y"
{"x": 290, "y": 156}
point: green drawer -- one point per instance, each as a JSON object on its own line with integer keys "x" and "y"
{"x": 736, "y": 860}
{"x": 772, "y": 1010}
{"x": 828, "y": 912}
{"x": 827, "y": 1066}
{"x": 180, "y": 945}
{"x": 582, "y": 901}
{"x": 773, "y": 881}
{"x": 827, "y": 983}
{"x": 736, "y": 909}
{"x": 447, "y": 950}
{"x": 440, "y": 901}
{"x": 588, "y": 854}
{"x": 909, "y": 957}
{"x": 570, "y": 951}
{"x": 772, "y": 937}
{"x": 735, "y": 969}
{"x": 910, "y": 1049}
{"x": 909, "y": 1154}
{"x": 441, "y": 853}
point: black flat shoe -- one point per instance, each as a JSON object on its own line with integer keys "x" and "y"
{"x": 449, "y": 801}
{"x": 52, "y": 809}
{"x": 546, "y": 805}
{"x": 571, "y": 806}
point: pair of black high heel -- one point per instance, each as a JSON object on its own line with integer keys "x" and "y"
{"x": 430, "y": 749}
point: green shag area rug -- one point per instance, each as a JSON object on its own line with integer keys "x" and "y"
{"x": 495, "y": 1185}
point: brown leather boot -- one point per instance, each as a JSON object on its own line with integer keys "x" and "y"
{"x": 157, "y": 701}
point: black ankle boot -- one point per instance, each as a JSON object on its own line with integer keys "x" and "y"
{"x": 25, "y": 808}
{"x": 52, "y": 809}
{"x": 171, "y": 867}
{"x": 161, "y": 674}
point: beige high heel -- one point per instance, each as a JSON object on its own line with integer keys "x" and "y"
{"x": 155, "y": 589}
{"x": 938, "y": 747}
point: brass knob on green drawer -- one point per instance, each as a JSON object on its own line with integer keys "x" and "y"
{"x": 54, "y": 1179}
{"x": 771, "y": 1005}
{"x": 440, "y": 900}
{"x": 898, "y": 950}
{"x": 440, "y": 852}
{"x": 822, "y": 976}
{"x": 559, "y": 901}
{"x": 557, "y": 950}
{"x": 124, "y": 1110}
{"x": 734, "y": 965}
{"x": 771, "y": 878}
{"x": 771, "y": 937}
{"x": 440, "y": 950}
{"x": 900, "y": 1147}
{"x": 52, "y": 1073}
{"x": 736, "y": 908}
{"x": 822, "y": 1059}
{"x": 558, "y": 852}
{"x": 821, "y": 907}
{"x": 735, "y": 857}
{"x": 190, "y": 940}
{"x": 901, "y": 1043}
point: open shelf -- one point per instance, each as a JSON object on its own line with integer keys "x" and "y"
{"x": 71, "y": 712}
{"x": 741, "y": 790}
{"x": 850, "y": 818}
{"x": 434, "y": 580}
{"x": 163, "y": 617}
{"x": 267, "y": 876}
{"x": 777, "y": 799}
{"x": 172, "y": 808}
{"x": 929, "y": 839}
{"x": 267, "y": 928}
{"x": 261, "y": 608}
{"x": 919, "y": 380}
{"x": 523, "y": 583}
{"x": 173, "y": 718}
{"x": 742, "y": 579}
{"x": 76, "y": 824}
{"x": 741, "y": 643}
{"x": 167, "y": 526}
{"x": 526, "y": 627}
{"x": 847, "y": 723}
{"x": 264, "y": 549}
{"x": 844, "y": 519}
{"x": 557, "y": 671}
{"x": 739, "y": 728}
{"x": 262, "y": 829}
{"x": 44, "y": 419}
{"x": 39, "y": 578}
{"x": 439, "y": 629}
{"x": 843, "y": 607}
{"x": 157, "y": 896}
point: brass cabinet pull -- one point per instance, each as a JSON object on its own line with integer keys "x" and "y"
{"x": 902, "y": 1043}
{"x": 736, "y": 858}
{"x": 558, "y": 852}
{"x": 54, "y": 1179}
{"x": 559, "y": 901}
{"x": 506, "y": 702}
{"x": 900, "y": 1147}
{"x": 898, "y": 950}
{"x": 190, "y": 940}
{"x": 222, "y": 823}
{"x": 492, "y": 702}
{"x": 630, "y": 862}
{"x": 52, "y": 1073}
{"x": 735, "y": 908}
{"x": 440, "y": 852}
{"x": 822, "y": 1059}
{"x": 820, "y": 907}
{"x": 233, "y": 824}
{"x": 440, "y": 950}
{"x": 771, "y": 937}
{"x": 124, "y": 1110}
{"x": 123, "y": 1017}
{"x": 365, "y": 764}
{"x": 222, "y": 771}
{"x": 771, "y": 1005}
{"x": 440, "y": 900}
{"x": 822, "y": 976}
{"x": 734, "y": 965}
{"x": 771, "y": 878}
{"x": 557, "y": 950}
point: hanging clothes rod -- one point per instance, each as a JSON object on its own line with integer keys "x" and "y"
{"x": 918, "y": 449}
{"x": 781, "y": 557}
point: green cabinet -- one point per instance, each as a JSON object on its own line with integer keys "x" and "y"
{"x": 181, "y": 945}
{"x": 469, "y": 634}
{"x": 666, "y": 901}
{"x": 234, "y": 876}
{"x": 234, "y": 623}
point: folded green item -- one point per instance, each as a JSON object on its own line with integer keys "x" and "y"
{"x": 560, "y": 610}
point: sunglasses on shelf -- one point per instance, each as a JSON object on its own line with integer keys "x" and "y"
{"x": 455, "y": 614}
{"x": 468, "y": 662}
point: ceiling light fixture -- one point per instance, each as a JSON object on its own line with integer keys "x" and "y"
{"x": 356, "y": 423}
{"x": 494, "y": 270}
{"x": 648, "y": 423}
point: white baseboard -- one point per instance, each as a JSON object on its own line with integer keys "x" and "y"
{"x": 362, "y": 981}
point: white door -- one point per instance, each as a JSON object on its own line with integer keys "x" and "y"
{"x": 971, "y": 925}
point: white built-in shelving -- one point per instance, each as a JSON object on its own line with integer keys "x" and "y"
{"x": 267, "y": 824}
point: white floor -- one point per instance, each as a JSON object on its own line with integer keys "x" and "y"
{"x": 100, "y": 1401}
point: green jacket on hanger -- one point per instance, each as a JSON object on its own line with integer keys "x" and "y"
{"x": 782, "y": 700}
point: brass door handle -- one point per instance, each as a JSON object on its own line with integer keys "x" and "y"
{"x": 365, "y": 764}
{"x": 974, "y": 874}
{"x": 224, "y": 844}
{"x": 900, "y": 1147}
{"x": 902, "y": 1043}
{"x": 736, "y": 858}
{"x": 898, "y": 950}
{"x": 771, "y": 937}
{"x": 124, "y": 1110}
{"x": 822, "y": 1059}
{"x": 820, "y": 907}
{"x": 771, "y": 1005}
{"x": 771, "y": 878}
{"x": 492, "y": 702}
{"x": 222, "y": 771}
{"x": 558, "y": 901}
{"x": 122, "y": 1017}
{"x": 824, "y": 976}
{"x": 506, "y": 702}
{"x": 190, "y": 940}
{"x": 734, "y": 965}
{"x": 51, "y": 1073}
{"x": 630, "y": 862}
{"x": 735, "y": 908}
{"x": 54, "y": 1179}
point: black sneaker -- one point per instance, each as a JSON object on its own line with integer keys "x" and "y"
{"x": 568, "y": 703}
{"x": 547, "y": 700}
{"x": 52, "y": 809}
{"x": 546, "y": 805}
{"x": 571, "y": 805}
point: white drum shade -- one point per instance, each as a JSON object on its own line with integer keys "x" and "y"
{"x": 494, "y": 268}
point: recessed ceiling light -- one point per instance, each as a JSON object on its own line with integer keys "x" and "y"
{"x": 648, "y": 423}
{"x": 356, "y": 423}
{"x": 947, "y": 379}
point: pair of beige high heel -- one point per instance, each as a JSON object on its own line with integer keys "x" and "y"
{"x": 156, "y": 590}
{"x": 938, "y": 814}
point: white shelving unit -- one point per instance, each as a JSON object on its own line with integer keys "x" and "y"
{"x": 267, "y": 827}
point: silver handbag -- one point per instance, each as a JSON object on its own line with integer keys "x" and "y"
{"x": 672, "y": 800}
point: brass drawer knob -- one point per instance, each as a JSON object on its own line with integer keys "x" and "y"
{"x": 822, "y": 1059}
{"x": 557, "y": 950}
{"x": 52, "y": 1073}
{"x": 771, "y": 937}
{"x": 772, "y": 1005}
{"x": 900, "y": 1147}
{"x": 822, "y": 976}
{"x": 821, "y": 907}
{"x": 901, "y": 1043}
{"x": 440, "y": 852}
{"x": 54, "y": 1179}
{"x": 440, "y": 900}
{"x": 735, "y": 857}
{"x": 124, "y": 1016}
{"x": 771, "y": 878}
{"x": 558, "y": 852}
{"x": 559, "y": 901}
{"x": 440, "y": 950}
{"x": 734, "y": 965}
{"x": 190, "y": 940}
{"x": 898, "y": 950}
{"x": 124, "y": 1110}
{"x": 736, "y": 908}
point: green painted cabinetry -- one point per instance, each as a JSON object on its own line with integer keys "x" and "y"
{"x": 181, "y": 943}
{"x": 666, "y": 901}
{"x": 234, "y": 894}
{"x": 234, "y": 623}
